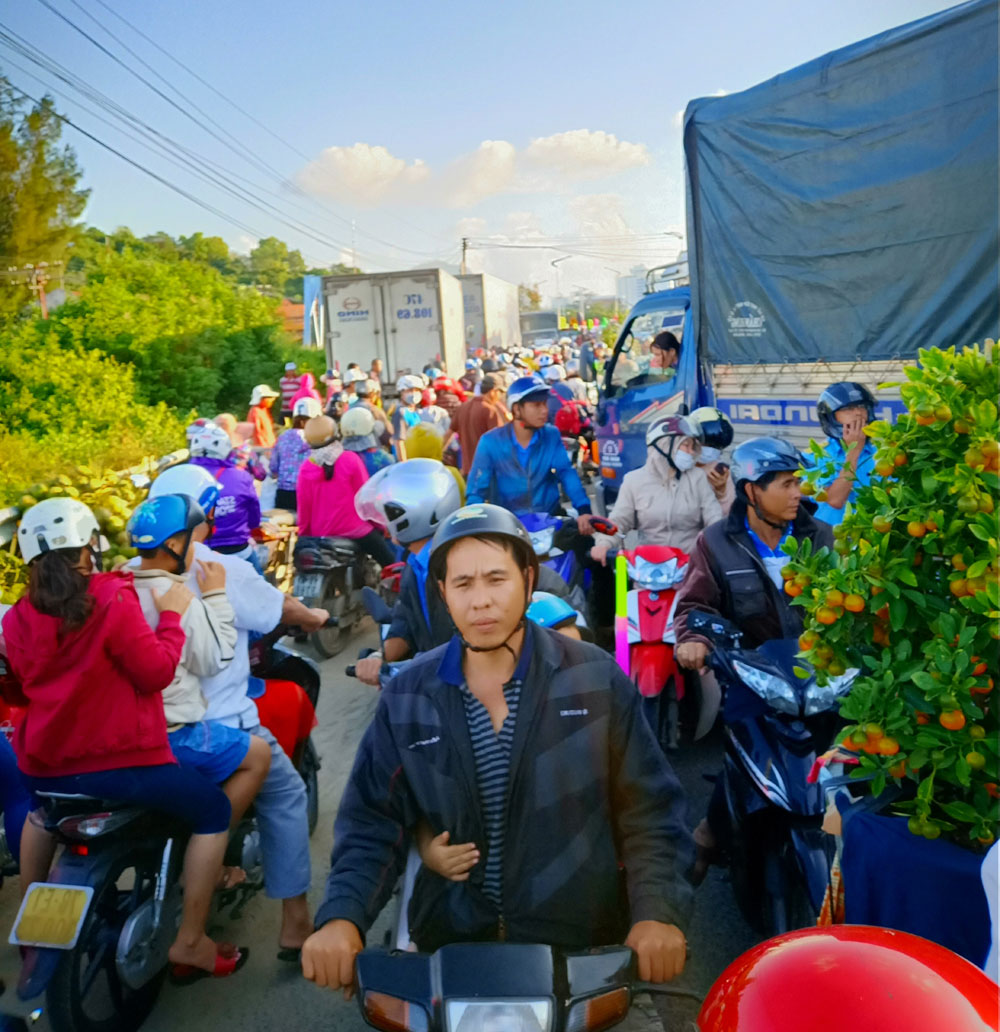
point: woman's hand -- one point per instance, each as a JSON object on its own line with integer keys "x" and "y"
{"x": 599, "y": 553}
{"x": 175, "y": 599}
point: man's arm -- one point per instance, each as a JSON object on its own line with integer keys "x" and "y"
{"x": 701, "y": 591}
{"x": 477, "y": 487}
{"x": 569, "y": 477}
{"x": 648, "y": 808}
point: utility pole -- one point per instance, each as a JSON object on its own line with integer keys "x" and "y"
{"x": 465, "y": 251}
{"x": 35, "y": 276}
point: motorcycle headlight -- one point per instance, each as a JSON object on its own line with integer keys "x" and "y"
{"x": 498, "y": 1015}
{"x": 774, "y": 690}
{"x": 819, "y": 698}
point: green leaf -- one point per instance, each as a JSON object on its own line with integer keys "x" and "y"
{"x": 928, "y": 482}
{"x": 979, "y": 532}
{"x": 897, "y": 613}
{"x": 961, "y": 812}
{"x": 978, "y": 568}
{"x": 878, "y": 783}
{"x": 924, "y": 681}
{"x": 907, "y": 576}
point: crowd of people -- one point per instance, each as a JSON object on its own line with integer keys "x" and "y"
{"x": 498, "y": 719}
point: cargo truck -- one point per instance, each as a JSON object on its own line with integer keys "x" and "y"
{"x": 408, "y": 319}
{"x": 491, "y": 312}
{"x": 840, "y": 216}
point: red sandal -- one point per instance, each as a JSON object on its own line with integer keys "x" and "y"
{"x": 228, "y": 960}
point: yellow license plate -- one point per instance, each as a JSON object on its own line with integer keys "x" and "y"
{"x": 51, "y": 915}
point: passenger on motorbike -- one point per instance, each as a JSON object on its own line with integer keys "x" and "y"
{"x": 261, "y": 399}
{"x": 91, "y": 671}
{"x": 716, "y": 435}
{"x": 407, "y": 414}
{"x": 290, "y": 452}
{"x": 368, "y": 393}
{"x": 575, "y": 381}
{"x": 328, "y": 481}
{"x": 666, "y": 500}
{"x": 521, "y": 465}
{"x": 425, "y": 442}
{"x": 357, "y": 430}
{"x": 237, "y": 512}
{"x": 165, "y": 531}
{"x": 844, "y": 410}
{"x": 281, "y": 801}
{"x": 456, "y": 728}
{"x": 434, "y": 414}
{"x": 243, "y": 454}
{"x": 735, "y": 571}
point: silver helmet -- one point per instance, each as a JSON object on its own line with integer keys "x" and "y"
{"x": 409, "y": 499}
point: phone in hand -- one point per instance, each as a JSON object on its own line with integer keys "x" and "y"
{"x": 721, "y": 467}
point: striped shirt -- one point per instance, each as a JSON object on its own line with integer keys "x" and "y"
{"x": 492, "y": 754}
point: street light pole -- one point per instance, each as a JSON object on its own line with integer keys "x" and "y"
{"x": 555, "y": 265}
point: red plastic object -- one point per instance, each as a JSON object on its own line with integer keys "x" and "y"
{"x": 653, "y": 665}
{"x": 850, "y": 977}
{"x": 285, "y": 710}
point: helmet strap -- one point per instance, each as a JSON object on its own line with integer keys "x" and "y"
{"x": 669, "y": 455}
{"x": 179, "y": 559}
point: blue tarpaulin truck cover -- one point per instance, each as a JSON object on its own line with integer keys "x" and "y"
{"x": 848, "y": 208}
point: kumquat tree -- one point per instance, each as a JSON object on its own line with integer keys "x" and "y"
{"x": 909, "y": 598}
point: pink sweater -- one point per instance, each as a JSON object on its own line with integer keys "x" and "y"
{"x": 326, "y": 507}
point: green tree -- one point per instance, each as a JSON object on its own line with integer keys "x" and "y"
{"x": 273, "y": 265}
{"x": 40, "y": 202}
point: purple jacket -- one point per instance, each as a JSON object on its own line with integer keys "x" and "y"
{"x": 237, "y": 511}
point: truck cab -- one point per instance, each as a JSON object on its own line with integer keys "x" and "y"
{"x": 632, "y": 396}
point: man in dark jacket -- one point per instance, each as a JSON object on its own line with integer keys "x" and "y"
{"x": 735, "y": 572}
{"x": 534, "y": 747}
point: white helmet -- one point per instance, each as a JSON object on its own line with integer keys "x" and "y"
{"x": 573, "y": 367}
{"x": 210, "y": 441}
{"x": 410, "y": 382}
{"x": 554, "y": 372}
{"x": 186, "y": 479}
{"x": 409, "y": 499}
{"x": 56, "y": 523}
{"x": 353, "y": 376}
{"x": 544, "y": 360}
{"x": 307, "y": 407}
{"x": 260, "y": 392}
{"x": 357, "y": 422}
{"x": 673, "y": 426}
{"x": 565, "y": 342}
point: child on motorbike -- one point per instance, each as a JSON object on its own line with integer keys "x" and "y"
{"x": 90, "y": 672}
{"x": 165, "y": 531}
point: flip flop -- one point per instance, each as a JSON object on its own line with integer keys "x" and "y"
{"x": 228, "y": 960}
{"x": 290, "y": 954}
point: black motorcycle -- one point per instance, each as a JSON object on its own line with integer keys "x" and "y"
{"x": 330, "y": 573}
{"x": 499, "y": 987}
{"x": 776, "y": 723}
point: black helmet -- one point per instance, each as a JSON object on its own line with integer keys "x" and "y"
{"x": 759, "y": 456}
{"x": 841, "y": 395}
{"x": 490, "y": 365}
{"x": 716, "y": 430}
{"x": 481, "y": 520}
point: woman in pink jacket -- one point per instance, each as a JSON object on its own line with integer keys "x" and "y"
{"x": 328, "y": 481}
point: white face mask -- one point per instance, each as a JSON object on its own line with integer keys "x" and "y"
{"x": 709, "y": 455}
{"x": 684, "y": 461}
{"x": 412, "y": 397}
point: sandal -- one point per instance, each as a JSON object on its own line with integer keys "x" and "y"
{"x": 228, "y": 960}
{"x": 290, "y": 954}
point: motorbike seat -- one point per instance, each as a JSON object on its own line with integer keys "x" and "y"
{"x": 342, "y": 543}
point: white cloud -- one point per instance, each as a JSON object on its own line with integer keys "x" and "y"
{"x": 363, "y": 173}
{"x": 369, "y": 174}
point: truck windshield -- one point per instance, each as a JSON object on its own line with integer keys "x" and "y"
{"x": 630, "y": 363}
{"x": 532, "y": 322}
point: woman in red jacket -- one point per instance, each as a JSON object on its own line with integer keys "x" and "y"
{"x": 90, "y": 672}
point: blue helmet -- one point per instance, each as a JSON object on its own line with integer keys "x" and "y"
{"x": 759, "y": 456}
{"x": 843, "y": 394}
{"x": 550, "y": 610}
{"x": 157, "y": 520}
{"x": 527, "y": 387}
{"x": 186, "y": 479}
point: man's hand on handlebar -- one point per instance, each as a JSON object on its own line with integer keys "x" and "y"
{"x": 583, "y": 524}
{"x": 367, "y": 670}
{"x": 660, "y": 950}
{"x": 692, "y": 655}
{"x": 328, "y": 956}
{"x": 295, "y": 614}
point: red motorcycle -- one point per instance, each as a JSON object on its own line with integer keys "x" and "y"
{"x": 655, "y": 573}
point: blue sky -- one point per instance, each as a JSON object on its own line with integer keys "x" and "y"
{"x": 413, "y": 125}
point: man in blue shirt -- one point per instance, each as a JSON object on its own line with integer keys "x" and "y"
{"x": 520, "y": 466}
{"x": 844, "y": 410}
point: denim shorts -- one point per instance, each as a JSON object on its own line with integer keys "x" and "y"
{"x": 211, "y": 748}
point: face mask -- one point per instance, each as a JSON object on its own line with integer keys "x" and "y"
{"x": 709, "y": 455}
{"x": 684, "y": 461}
{"x": 412, "y": 397}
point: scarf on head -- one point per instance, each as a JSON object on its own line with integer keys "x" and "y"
{"x": 326, "y": 456}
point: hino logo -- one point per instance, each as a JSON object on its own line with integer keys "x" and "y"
{"x": 746, "y": 320}
{"x": 352, "y": 304}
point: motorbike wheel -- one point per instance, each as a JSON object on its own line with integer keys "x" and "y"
{"x": 86, "y": 993}
{"x": 329, "y": 641}
{"x": 309, "y": 771}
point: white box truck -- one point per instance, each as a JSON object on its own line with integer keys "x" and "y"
{"x": 492, "y": 312}
{"x": 408, "y": 319}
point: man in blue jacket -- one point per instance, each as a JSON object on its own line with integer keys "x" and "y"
{"x": 534, "y": 747}
{"x": 521, "y": 465}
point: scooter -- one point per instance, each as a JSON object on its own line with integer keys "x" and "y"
{"x": 776, "y": 723}
{"x": 655, "y": 573}
{"x": 330, "y": 573}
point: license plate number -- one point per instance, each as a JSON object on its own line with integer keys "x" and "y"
{"x": 308, "y": 585}
{"x": 51, "y": 915}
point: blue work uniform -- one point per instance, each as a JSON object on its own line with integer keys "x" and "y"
{"x": 836, "y": 453}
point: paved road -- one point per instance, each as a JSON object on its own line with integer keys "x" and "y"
{"x": 270, "y": 995}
